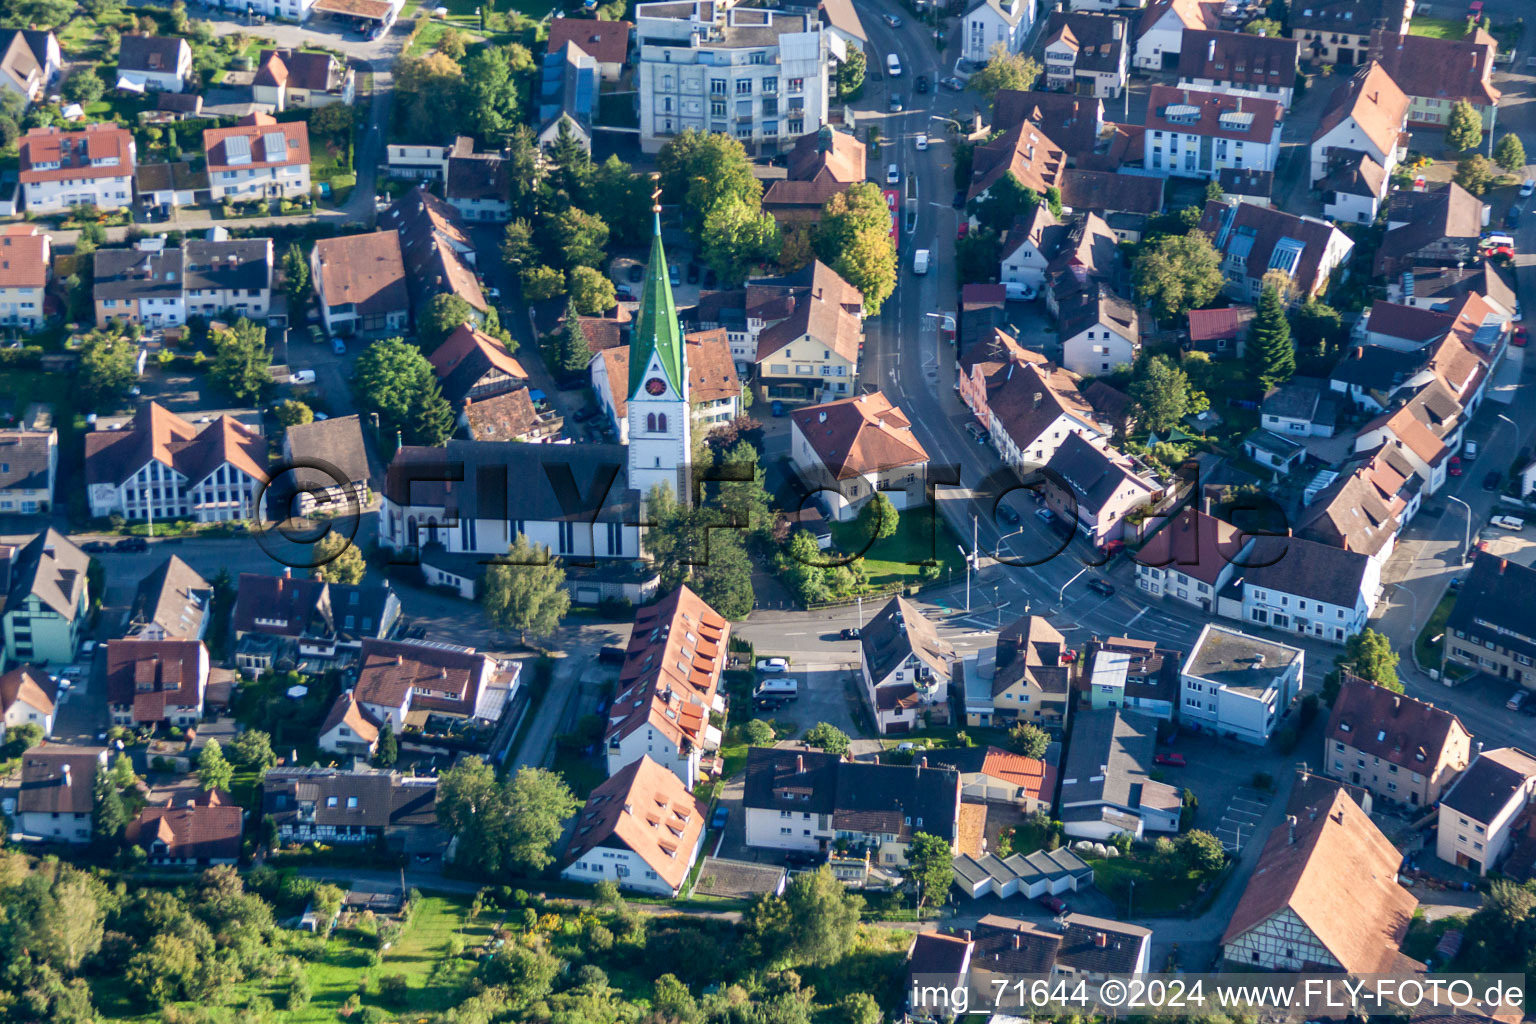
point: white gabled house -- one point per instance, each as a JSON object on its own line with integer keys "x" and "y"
{"x": 642, "y": 829}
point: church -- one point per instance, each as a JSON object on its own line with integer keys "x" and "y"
{"x": 462, "y": 505}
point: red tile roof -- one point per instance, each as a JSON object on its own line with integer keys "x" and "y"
{"x": 256, "y": 129}
{"x": 648, "y": 809}
{"x": 76, "y": 154}
{"x": 856, "y": 436}
{"x": 195, "y": 832}
{"x": 606, "y": 42}
{"x": 671, "y": 671}
{"x": 155, "y": 678}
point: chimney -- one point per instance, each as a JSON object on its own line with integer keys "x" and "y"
{"x": 67, "y": 782}
{"x": 821, "y": 417}
{"x": 399, "y": 659}
{"x": 1290, "y": 822}
{"x": 922, "y": 762}
{"x": 1503, "y": 563}
{"x": 800, "y": 764}
{"x": 1038, "y": 398}
{"x": 965, "y": 933}
{"x": 1099, "y": 938}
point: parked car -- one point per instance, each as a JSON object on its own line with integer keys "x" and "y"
{"x": 1045, "y": 515}
{"x": 94, "y": 547}
{"x": 1520, "y": 337}
{"x": 674, "y": 275}
{"x": 1055, "y": 904}
{"x": 892, "y": 20}
{"x": 1517, "y": 700}
{"x": 302, "y": 377}
{"x": 1104, "y": 587}
{"x": 1513, "y": 523}
{"x": 1492, "y": 480}
{"x": 777, "y": 407}
{"x": 1169, "y": 758}
{"x": 922, "y": 83}
{"x": 850, "y": 633}
{"x": 131, "y": 544}
{"x": 952, "y": 83}
{"x": 721, "y": 816}
{"x": 1512, "y": 218}
{"x": 1008, "y": 515}
{"x": 1455, "y": 466}
{"x": 958, "y": 202}
{"x": 339, "y": 346}
{"x": 1528, "y": 187}
{"x": 635, "y": 273}
{"x": 694, "y": 273}
{"x": 316, "y": 335}
{"x": 625, "y": 295}
{"x": 768, "y": 703}
{"x": 1469, "y": 451}
{"x": 897, "y": 104}
{"x": 773, "y": 664}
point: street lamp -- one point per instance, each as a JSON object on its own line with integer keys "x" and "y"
{"x": 1467, "y": 543}
{"x": 1062, "y": 595}
{"x": 949, "y": 323}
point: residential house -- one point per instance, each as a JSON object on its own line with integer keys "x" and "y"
{"x": 1191, "y": 558}
{"x": 668, "y": 687}
{"x": 171, "y": 603}
{"x": 1073, "y": 947}
{"x": 328, "y": 464}
{"x": 1093, "y": 487}
{"x": 1353, "y": 187}
{"x": 230, "y": 277}
{"x": 606, "y": 42}
{"x": 349, "y": 808}
{"x": 1135, "y": 675}
{"x": 197, "y": 829}
{"x": 350, "y": 729}
{"x": 1026, "y": 250}
{"x": 142, "y": 285}
{"x": 822, "y": 164}
{"x": 1372, "y": 376}
{"x": 1254, "y": 240}
{"x": 161, "y": 467}
{"x": 510, "y": 417}
{"x": 281, "y": 622}
{"x": 714, "y": 391}
{"x": 1403, "y": 750}
{"x": 1028, "y": 679}
{"x": 1479, "y": 813}
{"x": 29, "y": 464}
{"x": 842, "y": 20}
{"x": 1365, "y": 508}
{"x": 1125, "y": 201}
{"x": 762, "y": 72}
{"x": 1105, "y": 788}
{"x": 424, "y": 162}
{"x": 56, "y": 802}
{"x": 905, "y": 667}
{"x": 479, "y": 186}
{"x": 940, "y": 962}
{"x": 1198, "y": 133}
{"x": 1359, "y": 141}
{"x": 28, "y": 696}
{"x": 1087, "y": 259}
{"x": 26, "y": 262}
{"x": 1441, "y": 225}
{"x": 1436, "y": 74}
{"x": 154, "y": 63}
{"x": 1313, "y": 589}
{"x": 1028, "y": 408}
{"x": 470, "y": 364}
{"x": 1074, "y": 123}
{"x": 1280, "y": 454}
{"x": 1339, "y": 31}
{"x": 30, "y": 63}
{"x": 360, "y": 284}
{"x": 1238, "y": 685}
{"x": 590, "y": 518}
{"x": 60, "y": 170}
{"x": 809, "y": 328}
{"x": 1087, "y": 52}
{"x": 438, "y": 253}
{"x": 1405, "y": 328}
{"x": 1100, "y": 332}
{"x": 1425, "y": 431}
{"x": 1220, "y": 333}
{"x": 258, "y": 158}
{"x": 847, "y": 451}
{"x": 1239, "y": 64}
{"x": 302, "y": 79}
{"x": 1426, "y": 287}
{"x": 1240, "y": 185}
{"x": 1489, "y": 628}
{"x": 172, "y": 185}
{"x": 156, "y": 682}
{"x": 408, "y": 681}
{"x": 994, "y": 775}
{"x": 642, "y": 829}
{"x": 46, "y": 599}
{"x": 1301, "y": 407}
{"x": 1023, "y": 152}
{"x": 988, "y": 24}
{"x": 1160, "y": 32}
{"x": 806, "y": 800}
{"x": 1324, "y": 894}
{"x": 568, "y": 91}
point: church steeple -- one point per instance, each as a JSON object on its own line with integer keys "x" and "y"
{"x": 657, "y": 331}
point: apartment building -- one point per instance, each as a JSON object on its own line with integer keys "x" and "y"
{"x": 60, "y": 169}
{"x": 1479, "y": 814}
{"x": 757, "y": 74}
{"x": 1239, "y": 685}
{"x": 1200, "y": 134}
{"x": 258, "y": 158}
{"x": 1403, "y": 750}
{"x": 26, "y": 259}
{"x": 1239, "y": 64}
{"x": 46, "y": 599}
{"x": 1490, "y": 627}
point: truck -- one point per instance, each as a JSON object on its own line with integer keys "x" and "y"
{"x": 920, "y": 261}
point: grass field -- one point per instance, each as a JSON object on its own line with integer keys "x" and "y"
{"x": 1428, "y": 654}
{"x": 921, "y": 537}
{"x": 1439, "y": 28}
{"x": 1153, "y": 893}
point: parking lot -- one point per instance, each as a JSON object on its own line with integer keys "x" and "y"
{"x": 823, "y": 694}
{"x": 1241, "y": 817}
{"x": 1221, "y": 774}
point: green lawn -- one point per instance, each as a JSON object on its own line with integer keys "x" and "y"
{"x": 1439, "y": 28}
{"x": 921, "y": 537}
{"x": 1429, "y": 655}
{"x": 1153, "y": 893}
{"x": 583, "y": 773}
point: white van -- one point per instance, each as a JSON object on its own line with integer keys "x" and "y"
{"x": 892, "y": 65}
{"x": 920, "y": 261}
{"x": 778, "y": 686}
{"x": 1469, "y": 451}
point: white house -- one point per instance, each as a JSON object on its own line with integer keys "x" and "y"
{"x": 360, "y": 284}
{"x": 642, "y": 829}
{"x": 349, "y": 729}
{"x": 1239, "y": 64}
{"x": 61, "y": 169}
{"x": 1237, "y": 685}
{"x": 1191, "y": 559}
{"x": 905, "y": 667}
{"x": 30, "y": 63}
{"x": 1478, "y": 816}
{"x": 154, "y": 63}
{"x": 57, "y": 799}
{"x": 28, "y": 696}
{"x": 1368, "y": 114}
{"x": 847, "y": 451}
{"x": 1028, "y": 246}
{"x": 989, "y": 24}
{"x": 258, "y": 158}
{"x": 1160, "y": 32}
{"x": 1200, "y": 134}
{"x": 1313, "y": 589}
{"x": 1029, "y": 408}
{"x": 25, "y": 263}
{"x": 1087, "y": 48}
{"x": 1100, "y": 332}
{"x": 1255, "y": 240}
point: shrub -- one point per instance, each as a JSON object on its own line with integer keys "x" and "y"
{"x": 1264, "y": 781}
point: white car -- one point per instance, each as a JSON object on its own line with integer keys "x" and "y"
{"x": 922, "y": 142}
{"x": 1508, "y": 522}
{"x": 1529, "y": 187}
{"x": 302, "y": 377}
{"x": 893, "y": 175}
{"x": 773, "y": 664}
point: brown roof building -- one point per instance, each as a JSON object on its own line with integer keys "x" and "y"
{"x": 28, "y": 695}
{"x": 1442, "y": 224}
{"x": 438, "y": 254}
{"x": 1263, "y": 67}
{"x": 857, "y": 446}
{"x": 714, "y": 388}
{"x": 1025, "y": 152}
{"x": 642, "y": 820}
{"x": 349, "y": 727}
{"x": 361, "y": 285}
{"x": 1436, "y": 73}
{"x": 56, "y": 802}
{"x": 1072, "y": 122}
{"x": 258, "y": 157}
{"x": 509, "y": 417}
{"x": 1403, "y": 750}
{"x": 821, "y": 164}
{"x": 606, "y": 42}
{"x": 155, "y": 681}
{"x": 1255, "y": 240}
{"x": 1324, "y": 894}
{"x": 811, "y": 333}
{"x": 1339, "y": 31}
{"x": 195, "y": 831}
{"x": 471, "y": 364}
{"x": 905, "y": 666}
{"x": 406, "y": 681}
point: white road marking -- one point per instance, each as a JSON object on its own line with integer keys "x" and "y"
{"x": 1138, "y": 615}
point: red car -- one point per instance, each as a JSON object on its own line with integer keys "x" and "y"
{"x": 1455, "y": 469}
{"x": 1170, "y": 759}
{"x": 965, "y": 226}
{"x": 1055, "y": 904}
{"x": 1520, "y": 337}
{"x": 1499, "y": 250}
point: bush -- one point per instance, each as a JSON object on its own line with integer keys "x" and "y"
{"x": 1264, "y": 781}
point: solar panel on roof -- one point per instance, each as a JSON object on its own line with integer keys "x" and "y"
{"x": 275, "y": 145}
{"x": 237, "y": 149}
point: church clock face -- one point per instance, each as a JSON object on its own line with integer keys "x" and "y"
{"x": 655, "y": 386}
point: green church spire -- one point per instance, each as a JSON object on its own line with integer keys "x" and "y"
{"x": 657, "y": 329}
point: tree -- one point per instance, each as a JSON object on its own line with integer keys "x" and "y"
{"x": 517, "y": 245}
{"x": 1317, "y": 328}
{"x": 21, "y": 738}
{"x": 1201, "y": 852}
{"x": 625, "y": 199}
{"x": 295, "y": 276}
{"x": 724, "y": 581}
{"x": 977, "y": 255}
{"x": 525, "y": 591}
{"x": 1474, "y": 173}
{"x": 430, "y": 97}
{"x": 444, "y": 314}
{"x": 451, "y": 43}
{"x": 758, "y": 733}
{"x": 491, "y": 103}
{"x": 1263, "y": 27}
{"x": 823, "y": 920}
{"x": 541, "y": 283}
{"x": 122, "y": 772}
{"x": 591, "y": 292}
{"x": 699, "y": 169}
{"x": 84, "y": 86}
{"x": 1271, "y": 356}
{"x": 106, "y": 367}
{"x": 213, "y": 771}
{"x": 854, "y": 239}
{"x": 878, "y": 519}
{"x": 850, "y": 75}
{"x": 393, "y": 379}
{"x": 508, "y": 825}
{"x": 1370, "y": 656}
{"x": 931, "y": 863}
{"x": 252, "y": 750}
{"x": 1509, "y": 153}
{"x": 110, "y": 817}
{"x": 1005, "y": 70}
{"x": 293, "y": 413}
{"x": 804, "y": 569}
{"x": 573, "y": 351}
{"x": 1164, "y": 395}
{"x": 388, "y": 751}
{"x": 828, "y": 737}
{"x": 241, "y": 361}
{"x": 340, "y": 561}
{"x": 736, "y": 238}
{"x": 581, "y": 238}
{"x": 1178, "y": 273}
{"x": 1029, "y": 740}
{"x": 1006, "y": 199}
{"x": 572, "y": 164}
{"x": 1464, "y": 129}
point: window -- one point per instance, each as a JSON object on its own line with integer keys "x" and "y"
{"x": 744, "y": 87}
{"x": 717, "y": 87}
